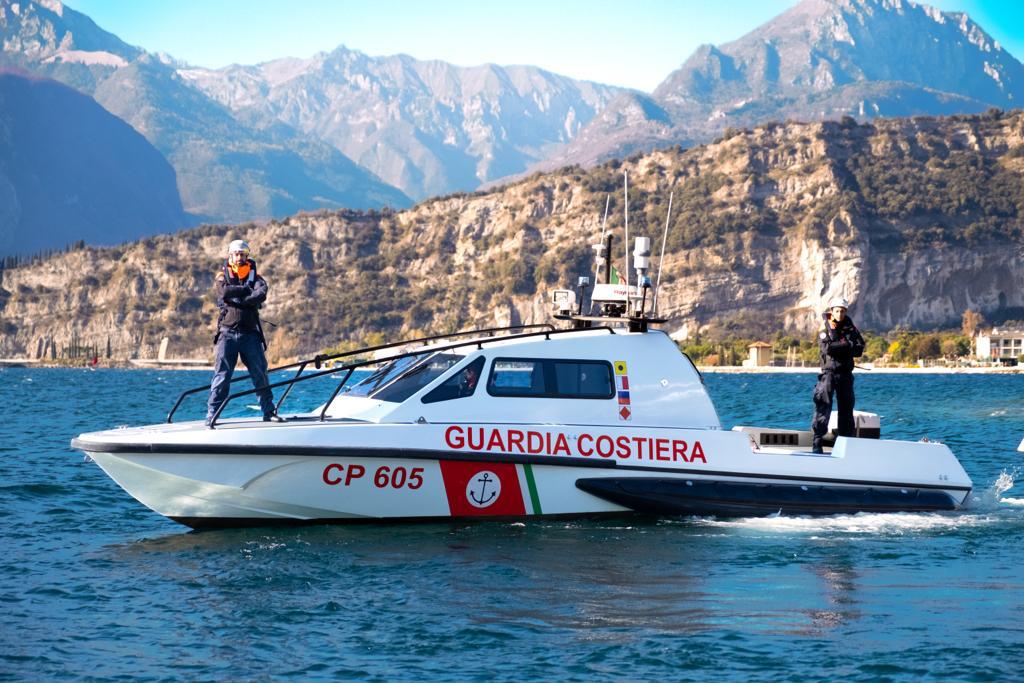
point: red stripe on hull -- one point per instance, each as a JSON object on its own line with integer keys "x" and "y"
{"x": 476, "y": 489}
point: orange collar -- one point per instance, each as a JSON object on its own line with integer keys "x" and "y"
{"x": 242, "y": 271}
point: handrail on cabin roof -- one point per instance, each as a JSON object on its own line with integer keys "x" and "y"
{"x": 350, "y": 367}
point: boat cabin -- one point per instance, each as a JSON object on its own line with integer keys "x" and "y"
{"x": 589, "y": 376}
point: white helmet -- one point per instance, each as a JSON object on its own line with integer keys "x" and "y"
{"x": 838, "y": 302}
{"x": 238, "y": 245}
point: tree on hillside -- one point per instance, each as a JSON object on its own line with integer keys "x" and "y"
{"x": 954, "y": 347}
{"x": 972, "y": 320}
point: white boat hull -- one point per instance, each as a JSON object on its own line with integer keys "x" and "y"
{"x": 273, "y": 483}
{"x": 272, "y": 489}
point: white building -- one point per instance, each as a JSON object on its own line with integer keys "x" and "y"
{"x": 760, "y": 355}
{"x": 1000, "y": 344}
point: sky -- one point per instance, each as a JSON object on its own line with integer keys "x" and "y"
{"x": 633, "y": 44}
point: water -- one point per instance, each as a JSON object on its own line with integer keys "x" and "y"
{"x": 95, "y": 586}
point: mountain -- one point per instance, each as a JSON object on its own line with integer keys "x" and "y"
{"x": 427, "y": 127}
{"x": 226, "y": 170}
{"x": 821, "y": 59}
{"x": 914, "y": 220}
{"x": 70, "y": 171}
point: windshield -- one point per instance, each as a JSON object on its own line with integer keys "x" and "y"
{"x": 384, "y": 374}
{"x": 417, "y": 377}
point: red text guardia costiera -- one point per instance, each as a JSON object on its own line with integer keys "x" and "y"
{"x": 526, "y": 442}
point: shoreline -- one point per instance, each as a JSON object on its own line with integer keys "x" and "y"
{"x": 195, "y": 364}
{"x": 128, "y": 364}
{"x": 937, "y": 370}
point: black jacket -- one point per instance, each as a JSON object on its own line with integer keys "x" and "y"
{"x": 239, "y": 301}
{"x": 839, "y": 346}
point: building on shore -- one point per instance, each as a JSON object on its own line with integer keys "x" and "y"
{"x": 1000, "y": 345}
{"x": 760, "y": 355}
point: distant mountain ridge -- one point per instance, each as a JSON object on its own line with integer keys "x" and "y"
{"x": 71, "y": 171}
{"x": 819, "y": 60}
{"x": 225, "y": 169}
{"x": 260, "y": 141}
{"x": 427, "y": 127}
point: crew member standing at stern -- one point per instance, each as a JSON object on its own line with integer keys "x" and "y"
{"x": 840, "y": 343}
{"x": 240, "y": 291}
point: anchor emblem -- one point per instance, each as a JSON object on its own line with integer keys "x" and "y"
{"x": 483, "y": 489}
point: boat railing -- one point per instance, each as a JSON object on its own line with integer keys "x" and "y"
{"x": 348, "y": 368}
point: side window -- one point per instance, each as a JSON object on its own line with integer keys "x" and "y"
{"x": 551, "y": 378}
{"x": 583, "y": 380}
{"x": 459, "y": 385}
{"x": 517, "y": 378}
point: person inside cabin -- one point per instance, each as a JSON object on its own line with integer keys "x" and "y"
{"x": 240, "y": 292}
{"x": 467, "y": 384}
{"x": 840, "y": 342}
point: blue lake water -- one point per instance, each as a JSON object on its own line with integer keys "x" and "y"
{"x": 93, "y": 585}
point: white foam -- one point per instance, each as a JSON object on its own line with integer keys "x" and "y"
{"x": 1012, "y": 501}
{"x": 260, "y": 545}
{"x": 861, "y": 523}
{"x": 991, "y": 497}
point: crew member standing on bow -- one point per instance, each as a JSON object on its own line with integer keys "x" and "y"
{"x": 840, "y": 343}
{"x": 240, "y": 291}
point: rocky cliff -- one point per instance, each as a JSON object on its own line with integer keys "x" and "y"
{"x": 914, "y": 220}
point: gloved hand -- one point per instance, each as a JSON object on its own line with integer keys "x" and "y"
{"x": 251, "y": 301}
{"x": 839, "y": 347}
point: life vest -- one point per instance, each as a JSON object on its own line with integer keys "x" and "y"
{"x": 236, "y": 317}
{"x": 231, "y": 277}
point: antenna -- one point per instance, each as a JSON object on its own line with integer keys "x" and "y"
{"x": 604, "y": 221}
{"x": 661, "y": 259}
{"x": 625, "y": 180}
{"x": 604, "y": 226}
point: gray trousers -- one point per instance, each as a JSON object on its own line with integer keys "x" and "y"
{"x": 231, "y": 345}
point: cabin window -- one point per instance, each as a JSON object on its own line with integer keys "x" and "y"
{"x": 459, "y": 385}
{"x": 417, "y": 377}
{"x": 583, "y": 380}
{"x": 383, "y": 375}
{"x": 550, "y": 378}
{"x": 517, "y": 378}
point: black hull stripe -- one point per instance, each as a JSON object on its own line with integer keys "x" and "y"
{"x": 512, "y": 458}
{"x": 659, "y": 495}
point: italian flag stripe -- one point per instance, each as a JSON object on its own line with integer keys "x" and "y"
{"x": 531, "y": 484}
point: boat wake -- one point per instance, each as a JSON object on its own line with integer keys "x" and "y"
{"x": 980, "y": 510}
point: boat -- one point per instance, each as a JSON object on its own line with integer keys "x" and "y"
{"x": 602, "y": 415}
